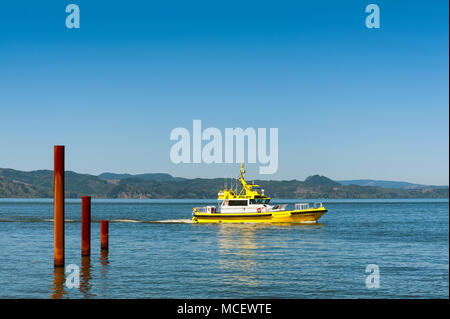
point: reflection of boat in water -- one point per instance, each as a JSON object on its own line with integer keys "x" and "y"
{"x": 250, "y": 205}
{"x": 239, "y": 252}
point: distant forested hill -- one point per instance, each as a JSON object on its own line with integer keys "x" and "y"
{"x": 39, "y": 184}
{"x": 387, "y": 184}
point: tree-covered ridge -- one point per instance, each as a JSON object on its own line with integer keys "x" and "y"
{"x": 39, "y": 184}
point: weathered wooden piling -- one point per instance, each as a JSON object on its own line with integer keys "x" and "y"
{"x": 104, "y": 234}
{"x": 58, "y": 206}
{"x": 85, "y": 226}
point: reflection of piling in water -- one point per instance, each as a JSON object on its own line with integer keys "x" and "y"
{"x": 104, "y": 257}
{"x": 104, "y": 234}
{"x": 103, "y": 282}
{"x": 58, "y": 283}
{"x": 85, "y": 226}
{"x": 58, "y": 206}
{"x": 85, "y": 276}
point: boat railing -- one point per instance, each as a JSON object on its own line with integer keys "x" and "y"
{"x": 279, "y": 207}
{"x": 301, "y": 206}
{"x": 305, "y": 206}
{"x": 204, "y": 209}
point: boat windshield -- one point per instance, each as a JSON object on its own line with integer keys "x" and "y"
{"x": 260, "y": 201}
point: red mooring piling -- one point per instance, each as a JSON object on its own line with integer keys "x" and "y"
{"x": 104, "y": 234}
{"x": 58, "y": 206}
{"x": 85, "y": 226}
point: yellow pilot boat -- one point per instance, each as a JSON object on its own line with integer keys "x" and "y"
{"x": 250, "y": 205}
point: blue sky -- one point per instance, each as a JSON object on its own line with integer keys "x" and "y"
{"x": 349, "y": 102}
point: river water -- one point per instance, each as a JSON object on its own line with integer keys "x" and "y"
{"x": 156, "y": 252}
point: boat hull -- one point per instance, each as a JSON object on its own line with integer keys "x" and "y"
{"x": 289, "y": 216}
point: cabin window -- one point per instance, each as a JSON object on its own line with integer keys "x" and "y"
{"x": 237, "y": 203}
{"x": 259, "y": 201}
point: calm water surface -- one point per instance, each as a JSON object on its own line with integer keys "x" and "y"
{"x": 156, "y": 253}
